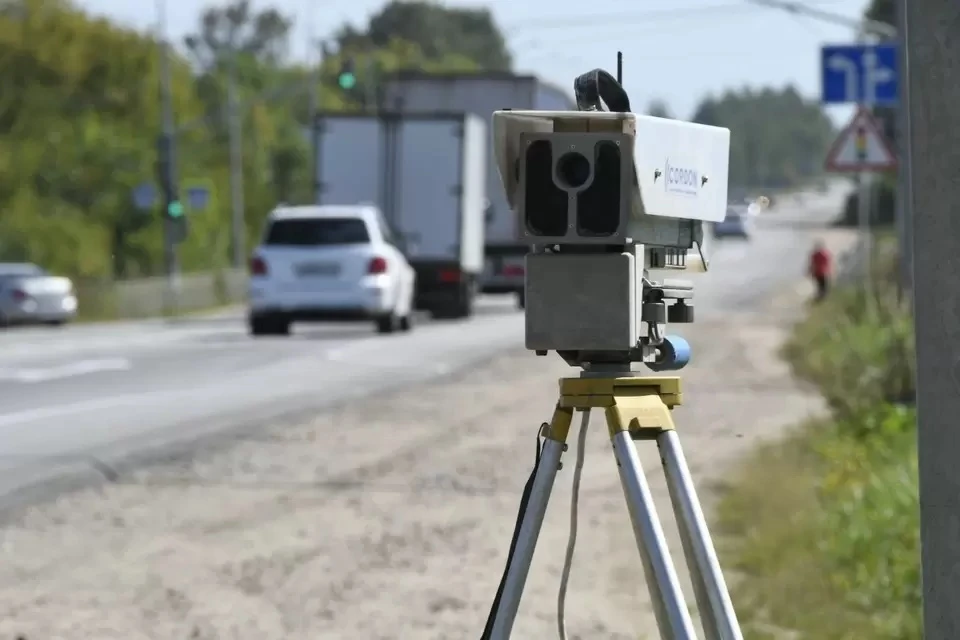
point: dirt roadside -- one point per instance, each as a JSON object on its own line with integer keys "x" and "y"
{"x": 388, "y": 517}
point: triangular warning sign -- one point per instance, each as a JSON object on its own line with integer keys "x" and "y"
{"x": 861, "y": 146}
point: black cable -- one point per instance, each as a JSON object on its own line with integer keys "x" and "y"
{"x": 527, "y": 489}
{"x": 596, "y": 85}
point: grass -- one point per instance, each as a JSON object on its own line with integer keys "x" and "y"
{"x": 823, "y": 527}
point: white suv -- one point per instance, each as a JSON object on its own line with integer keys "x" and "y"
{"x": 329, "y": 263}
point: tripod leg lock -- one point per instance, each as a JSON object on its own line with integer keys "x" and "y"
{"x": 558, "y": 429}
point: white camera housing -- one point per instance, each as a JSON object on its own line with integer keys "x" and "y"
{"x": 681, "y": 167}
{"x": 585, "y": 182}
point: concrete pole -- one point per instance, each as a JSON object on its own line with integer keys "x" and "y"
{"x": 933, "y": 50}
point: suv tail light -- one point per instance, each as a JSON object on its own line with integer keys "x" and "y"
{"x": 19, "y": 295}
{"x": 258, "y": 266}
{"x": 377, "y": 265}
{"x": 513, "y": 270}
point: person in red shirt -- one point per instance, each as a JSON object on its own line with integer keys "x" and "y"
{"x": 821, "y": 269}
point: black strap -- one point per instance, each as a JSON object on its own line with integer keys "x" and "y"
{"x": 595, "y": 85}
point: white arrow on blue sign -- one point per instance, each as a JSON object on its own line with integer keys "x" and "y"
{"x": 198, "y": 197}
{"x": 144, "y": 196}
{"x": 859, "y": 74}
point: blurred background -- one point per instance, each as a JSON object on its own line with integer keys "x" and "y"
{"x": 81, "y": 110}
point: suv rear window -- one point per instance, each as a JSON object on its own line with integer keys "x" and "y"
{"x": 314, "y": 232}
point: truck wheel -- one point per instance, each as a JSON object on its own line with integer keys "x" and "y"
{"x": 464, "y": 308}
{"x": 388, "y": 324}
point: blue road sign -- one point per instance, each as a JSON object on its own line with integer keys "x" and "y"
{"x": 198, "y": 197}
{"x": 863, "y": 74}
{"x": 144, "y": 196}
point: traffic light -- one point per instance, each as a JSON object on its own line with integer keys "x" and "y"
{"x": 175, "y": 209}
{"x": 347, "y": 78}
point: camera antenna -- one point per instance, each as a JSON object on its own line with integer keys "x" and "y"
{"x": 620, "y": 68}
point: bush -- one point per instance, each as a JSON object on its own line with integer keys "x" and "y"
{"x": 857, "y": 349}
{"x": 825, "y": 526}
{"x": 883, "y": 206}
{"x": 824, "y": 530}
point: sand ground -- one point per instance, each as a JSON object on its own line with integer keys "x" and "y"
{"x": 388, "y": 517}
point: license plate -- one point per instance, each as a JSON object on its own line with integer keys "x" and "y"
{"x": 317, "y": 269}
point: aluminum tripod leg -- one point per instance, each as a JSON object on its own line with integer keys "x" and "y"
{"x": 713, "y": 599}
{"x": 669, "y": 605}
{"x": 555, "y": 439}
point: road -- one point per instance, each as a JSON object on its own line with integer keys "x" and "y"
{"x": 69, "y": 395}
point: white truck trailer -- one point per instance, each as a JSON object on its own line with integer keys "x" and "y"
{"x": 482, "y": 94}
{"x": 427, "y": 173}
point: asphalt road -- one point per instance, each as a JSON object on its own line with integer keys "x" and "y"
{"x": 105, "y": 390}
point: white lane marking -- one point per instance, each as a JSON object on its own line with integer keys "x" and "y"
{"x": 74, "y": 408}
{"x": 69, "y": 370}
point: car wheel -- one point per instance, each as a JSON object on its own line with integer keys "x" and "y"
{"x": 521, "y": 299}
{"x": 269, "y": 326}
{"x": 259, "y": 326}
{"x": 281, "y": 326}
{"x": 388, "y": 324}
{"x": 406, "y": 322}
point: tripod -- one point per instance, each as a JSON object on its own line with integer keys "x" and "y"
{"x": 636, "y": 408}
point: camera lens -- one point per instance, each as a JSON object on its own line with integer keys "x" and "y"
{"x": 573, "y": 170}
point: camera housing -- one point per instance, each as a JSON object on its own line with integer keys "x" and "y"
{"x": 606, "y": 199}
{"x": 662, "y": 168}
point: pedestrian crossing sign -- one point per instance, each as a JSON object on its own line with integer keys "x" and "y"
{"x": 861, "y": 146}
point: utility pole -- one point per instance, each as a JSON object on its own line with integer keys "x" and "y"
{"x": 166, "y": 166}
{"x": 316, "y": 85}
{"x": 235, "y": 133}
{"x": 933, "y": 58}
{"x": 904, "y": 197}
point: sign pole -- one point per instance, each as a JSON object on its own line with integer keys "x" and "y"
{"x": 863, "y": 219}
{"x": 863, "y": 198}
{"x": 933, "y": 58}
{"x": 904, "y": 197}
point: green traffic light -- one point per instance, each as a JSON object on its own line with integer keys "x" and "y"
{"x": 347, "y": 80}
{"x": 175, "y": 209}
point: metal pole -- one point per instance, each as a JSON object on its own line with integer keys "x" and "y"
{"x": 166, "y": 149}
{"x": 316, "y": 85}
{"x": 934, "y": 128}
{"x": 904, "y": 198}
{"x": 235, "y": 133}
{"x": 370, "y": 89}
{"x": 863, "y": 209}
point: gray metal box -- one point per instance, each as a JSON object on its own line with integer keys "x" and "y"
{"x": 582, "y": 301}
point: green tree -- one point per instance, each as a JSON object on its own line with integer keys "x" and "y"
{"x": 438, "y": 31}
{"x": 778, "y": 138}
{"x": 252, "y": 45}
{"x": 77, "y": 133}
{"x": 885, "y": 11}
{"x": 659, "y": 108}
